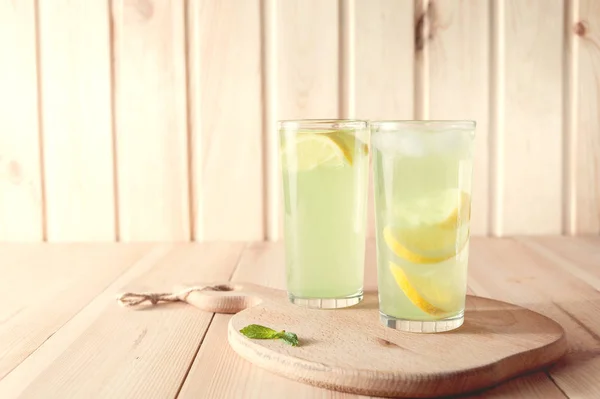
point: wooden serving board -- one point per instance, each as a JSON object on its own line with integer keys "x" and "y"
{"x": 350, "y": 350}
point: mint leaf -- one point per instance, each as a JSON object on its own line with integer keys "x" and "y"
{"x": 288, "y": 338}
{"x": 256, "y": 331}
{"x": 259, "y": 332}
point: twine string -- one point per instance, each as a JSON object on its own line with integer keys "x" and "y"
{"x": 133, "y": 299}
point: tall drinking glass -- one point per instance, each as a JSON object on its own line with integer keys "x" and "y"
{"x": 325, "y": 178}
{"x": 422, "y": 173}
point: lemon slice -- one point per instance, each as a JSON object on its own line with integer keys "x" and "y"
{"x": 411, "y": 292}
{"x": 425, "y": 245}
{"x": 350, "y": 142}
{"x": 445, "y": 208}
{"x": 309, "y": 150}
{"x": 435, "y": 296}
{"x": 460, "y": 214}
{"x": 430, "y": 229}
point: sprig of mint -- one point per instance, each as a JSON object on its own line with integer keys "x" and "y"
{"x": 256, "y": 331}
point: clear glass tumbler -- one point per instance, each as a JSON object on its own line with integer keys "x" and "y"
{"x": 325, "y": 180}
{"x": 422, "y": 181}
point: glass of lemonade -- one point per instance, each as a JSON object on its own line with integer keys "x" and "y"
{"x": 325, "y": 180}
{"x": 422, "y": 180}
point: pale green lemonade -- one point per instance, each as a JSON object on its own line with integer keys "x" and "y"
{"x": 325, "y": 181}
{"x": 422, "y": 173}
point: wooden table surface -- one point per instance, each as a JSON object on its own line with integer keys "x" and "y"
{"x": 62, "y": 334}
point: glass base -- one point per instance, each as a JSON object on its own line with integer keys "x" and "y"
{"x": 326, "y": 303}
{"x": 429, "y": 326}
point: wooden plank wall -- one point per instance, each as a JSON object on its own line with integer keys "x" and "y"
{"x": 148, "y": 120}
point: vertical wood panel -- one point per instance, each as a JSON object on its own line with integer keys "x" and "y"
{"x": 151, "y": 121}
{"x": 271, "y": 169}
{"x": 308, "y": 50}
{"x": 77, "y": 120}
{"x": 496, "y": 124}
{"x": 384, "y": 67}
{"x": 256, "y": 61}
{"x": 228, "y": 130}
{"x": 531, "y": 159}
{"x": 458, "y": 76}
{"x": 384, "y": 59}
{"x": 587, "y": 118}
{"x": 21, "y": 193}
{"x": 423, "y": 15}
{"x": 570, "y": 83}
{"x": 346, "y": 58}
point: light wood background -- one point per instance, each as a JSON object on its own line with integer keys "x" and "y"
{"x": 142, "y": 120}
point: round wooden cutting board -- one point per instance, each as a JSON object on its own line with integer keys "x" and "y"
{"x": 350, "y": 350}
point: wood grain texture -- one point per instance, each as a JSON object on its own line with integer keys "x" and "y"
{"x": 586, "y": 28}
{"x": 77, "y": 120}
{"x": 532, "y": 123}
{"x": 21, "y": 190}
{"x": 103, "y": 350}
{"x": 151, "y": 120}
{"x": 124, "y": 352}
{"x": 570, "y": 89}
{"x": 458, "y": 47}
{"x": 219, "y": 372}
{"x": 227, "y": 129}
{"x": 383, "y": 68}
{"x": 422, "y": 26}
{"x": 511, "y": 271}
{"x": 383, "y": 59}
{"x": 192, "y": 91}
{"x": 351, "y": 352}
{"x": 43, "y": 287}
{"x": 308, "y": 63}
{"x": 536, "y": 385}
{"x": 578, "y": 257}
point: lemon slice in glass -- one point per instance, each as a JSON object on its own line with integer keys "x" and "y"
{"x": 430, "y": 229}
{"x": 433, "y": 296}
{"x": 425, "y": 245}
{"x": 445, "y": 208}
{"x": 309, "y": 150}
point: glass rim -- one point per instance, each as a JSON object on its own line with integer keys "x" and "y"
{"x": 435, "y": 125}
{"x": 322, "y": 124}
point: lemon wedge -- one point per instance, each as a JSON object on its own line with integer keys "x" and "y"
{"x": 350, "y": 142}
{"x": 445, "y": 208}
{"x": 430, "y": 229}
{"x": 460, "y": 214}
{"x": 318, "y": 148}
{"x": 425, "y": 245}
{"x": 411, "y": 292}
{"x": 431, "y": 297}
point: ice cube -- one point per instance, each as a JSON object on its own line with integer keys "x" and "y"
{"x": 409, "y": 144}
{"x": 451, "y": 142}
